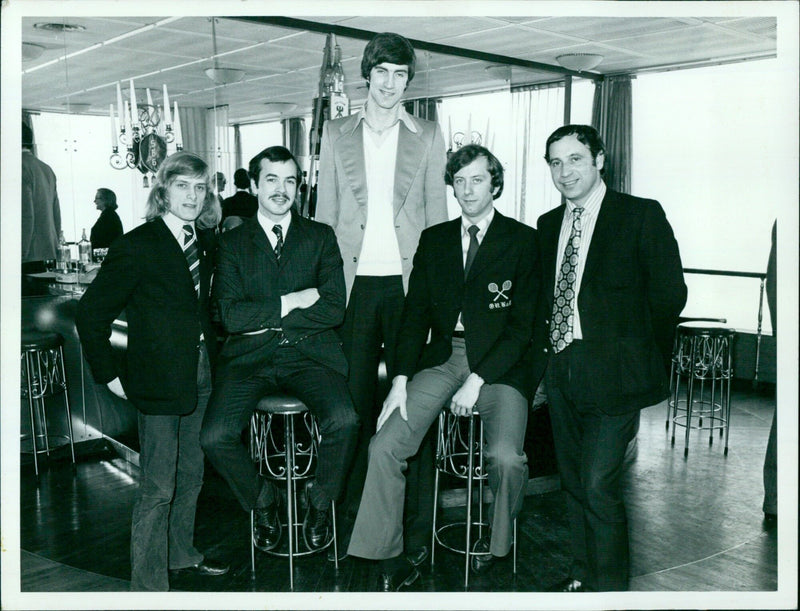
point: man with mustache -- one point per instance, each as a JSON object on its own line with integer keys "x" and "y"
{"x": 279, "y": 290}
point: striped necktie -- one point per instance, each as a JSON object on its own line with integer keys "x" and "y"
{"x": 192, "y": 258}
{"x": 278, "y": 231}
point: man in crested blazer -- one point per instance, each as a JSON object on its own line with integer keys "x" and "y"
{"x": 160, "y": 275}
{"x": 473, "y": 288}
{"x": 279, "y": 290}
{"x": 611, "y": 294}
{"x": 380, "y": 185}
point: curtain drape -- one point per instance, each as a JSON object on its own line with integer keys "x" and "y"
{"x": 294, "y": 137}
{"x": 612, "y": 117}
{"x": 537, "y": 111}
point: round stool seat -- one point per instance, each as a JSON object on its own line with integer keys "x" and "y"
{"x": 40, "y": 340}
{"x": 281, "y": 404}
{"x": 704, "y": 328}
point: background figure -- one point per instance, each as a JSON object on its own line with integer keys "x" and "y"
{"x": 219, "y": 185}
{"x": 242, "y": 203}
{"x": 612, "y": 291}
{"x": 380, "y": 184}
{"x": 41, "y": 213}
{"x": 108, "y": 227}
{"x": 479, "y": 337}
{"x": 770, "y": 506}
{"x": 160, "y": 274}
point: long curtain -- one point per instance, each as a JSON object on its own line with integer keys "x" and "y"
{"x": 612, "y": 117}
{"x": 294, "y": 137}
{"x": 537, "y": 111}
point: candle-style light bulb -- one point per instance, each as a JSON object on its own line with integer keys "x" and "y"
{"x": 134, "y": 108}
{"x": 177, "y": 119}
{"x": 167, "y": 116}
{"x": 119, "y": 105}
{"x": 113, "y": 125}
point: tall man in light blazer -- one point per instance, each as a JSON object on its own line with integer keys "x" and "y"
{"x": 612, "y": 291}
{"x": 473, "y": 289}
{"x": 380, "y": 184}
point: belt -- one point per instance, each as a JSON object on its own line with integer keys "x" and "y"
{"x": 458, "y": 333}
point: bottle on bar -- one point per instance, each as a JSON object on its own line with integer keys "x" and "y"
{"x": 63, "y": 257}
{"x": 84, "y": 250}
{"x": 338, "y": 71}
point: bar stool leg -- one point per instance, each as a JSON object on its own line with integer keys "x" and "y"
{"x": 288, "y": 438}
{"x": 252, "y": 546}
{"x": 439, "y": 442}
{"x": 515, "y": 546}
{"x": 727, "y": 382}
{"x": 30, "y": 407}
{"x": 335, "y": 537}
{"x": 470, "y": 466}
{"x": 690, "y": 396}
{"x": 66, "y": 403}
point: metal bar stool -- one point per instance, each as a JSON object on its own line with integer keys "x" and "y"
{"x": 42, "y": 376}
{"x": 460, "y": 455}
{"x": 703, "y": 358}
{"x": 291, "y": 459}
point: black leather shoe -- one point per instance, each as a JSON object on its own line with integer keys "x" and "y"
{"x": 317, "y": 529}
{"x": 569, "y": 584}
{"x": 484, "y": 560}
{"x": 266, "y": 528}
{"x": 399, "y": 579}
{"x": 419, "y": 555}
{"x": 207, "y": 568}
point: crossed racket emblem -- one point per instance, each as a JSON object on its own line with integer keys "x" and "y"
{"x": 493, "y": 288}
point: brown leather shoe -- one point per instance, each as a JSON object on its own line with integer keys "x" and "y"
{"x": 483, "y": 559}
{"x": 266, "y": 527}
{"x": 402, "y": 577}
{"x": 208, "y": 567}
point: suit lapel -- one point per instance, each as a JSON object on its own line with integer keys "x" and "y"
{"x": 407, "y": 164}
{"x": 549, "y": 229}
{"x": 350, "y": 150}
{"x": 260, "y": 240}
{"x": 293, "y": 240}
{"x": 607, "y": 225}
{"x": 492, "y": 246}
{"x": 174, "y": 250}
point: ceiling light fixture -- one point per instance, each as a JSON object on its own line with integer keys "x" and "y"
{"x": 59, "y": 27}
{"x": 580, "y": 62}
{"x": 31, "y": 51}
{"x": 221, "y": 76}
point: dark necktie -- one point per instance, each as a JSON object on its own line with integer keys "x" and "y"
{"x": 190, "y": 250}
{"x": 473, "y": 248}
{"x": 278, "y": 231}
{"x": 562, "y": 320}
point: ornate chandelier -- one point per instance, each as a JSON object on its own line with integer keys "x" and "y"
{"x": 144, "y": 130}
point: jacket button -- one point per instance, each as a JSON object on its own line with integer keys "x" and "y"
{"x": 362, "y": 226}
{"x": 544, "y": 350}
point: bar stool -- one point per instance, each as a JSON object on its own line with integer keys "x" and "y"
{"x": 42, "y": 376}
{"x": 703, "y": 358}
{"x": 289, "y": 458}
{"x": 460, "y": 455}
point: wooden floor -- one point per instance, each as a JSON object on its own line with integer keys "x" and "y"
{"x": 695, "y": 525}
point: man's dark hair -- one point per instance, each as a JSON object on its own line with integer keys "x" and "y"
{"x": 584, "y": 133}
{"x": 109, "y": 198}
{"x": 241, "y": 179}
{"x": 27, "y": 136}
{"x": 465, "y": 156}
{"x": 391, "y": 48}
{"x": 274, "y": 154}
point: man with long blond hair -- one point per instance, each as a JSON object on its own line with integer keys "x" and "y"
{"x": 160, "y": 274}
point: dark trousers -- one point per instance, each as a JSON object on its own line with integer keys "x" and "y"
{"x": 371, "y": 322}
{"x": 171, "y": 464}
{"x": 590, "y": 450}
{"x": 232, "y": 404}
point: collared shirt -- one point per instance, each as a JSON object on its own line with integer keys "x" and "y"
{"x": 380, "y": 252}
{"x": 402, "y": 115}
{"x": 483, "y": 227}
{"x": 267, "y": 225}
{"x": 591, "y": 208}
{"x": 175, "y": 226}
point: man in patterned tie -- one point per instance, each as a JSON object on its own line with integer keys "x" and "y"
{"x": 280, "y": 293}
{"x": 473, "y": 289}
{"x": 160, "y": 275}
{"x": 612, "y": 290}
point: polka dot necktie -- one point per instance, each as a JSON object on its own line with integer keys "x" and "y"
{"x": 190, "y": 250}
{"x": 278, "y": 231}
{"x": 564, "y": 295}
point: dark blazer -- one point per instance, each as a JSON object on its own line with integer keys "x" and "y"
{"x": 240, "y": 203}
{"x": 250, "y": 282}
{"x": 145, "y": 273}
{"x": 107, "y": 229}
{"x": 498, "y": 319}
{"x": 631, "y": 294}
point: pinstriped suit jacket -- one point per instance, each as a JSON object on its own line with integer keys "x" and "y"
{"x": 249, "y": 284}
